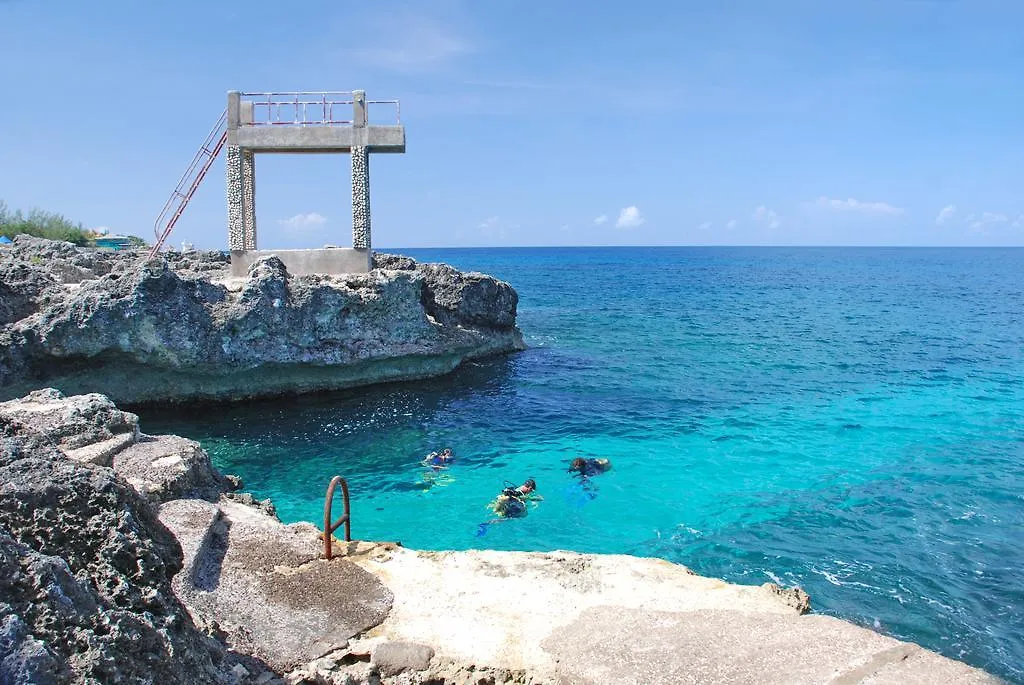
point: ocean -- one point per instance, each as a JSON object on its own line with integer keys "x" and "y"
{"x": 849, "y": 420}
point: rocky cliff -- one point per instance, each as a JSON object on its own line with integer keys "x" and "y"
{"x": 177, "y": 328}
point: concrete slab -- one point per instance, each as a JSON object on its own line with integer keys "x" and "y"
{"x": 334, "y": 260}
{"x": 192, "y": 521}
{"x": 613, "y": 645}
{"x": 313, "y": 139}
{"x": 103, "y": 452}
{"x": 264, "y": 585}
{"x": 576, "y": 618}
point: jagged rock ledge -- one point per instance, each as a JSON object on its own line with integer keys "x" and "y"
{"x": 126, "y": 558}
{"x": 178, "y": 329}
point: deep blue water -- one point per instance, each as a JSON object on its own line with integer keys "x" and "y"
{"x": 848, "y": 420}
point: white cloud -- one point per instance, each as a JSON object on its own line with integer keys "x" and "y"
{"x": 410, "y": 43}
{"x": 489, "y": 223}
{"x": 762, "y": 213}
{"x": 704, "y": 226}
{"x": 731, "y": 225}
{"x": 945, "y": 213}
{"x": 601, "y": 219}
{"x": 301, "y": 222}
{"x": 988, "y": 218}
{"x": 1018, "y": 222}
{"x": 969, "y": 218}
{"x": 629, "y": 217}
{"x": 851, "y": 205}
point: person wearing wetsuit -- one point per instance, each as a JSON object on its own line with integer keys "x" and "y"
{"x": 511, "y": 503}
{"x": 589, "y": 467}
{"x": 438, "y": 459}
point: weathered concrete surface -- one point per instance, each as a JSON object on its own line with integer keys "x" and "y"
{"x": 611, "y": 644}
{"x": 163, "y": 332}
{"x": 264, "y": 585}
{"x": 326, "y": 261}
{"x": 565, "y": 617}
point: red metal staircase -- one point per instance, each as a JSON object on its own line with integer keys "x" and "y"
{"x": 189, "y": 182}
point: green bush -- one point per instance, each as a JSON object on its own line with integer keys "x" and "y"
{"x": 43, "y": 224}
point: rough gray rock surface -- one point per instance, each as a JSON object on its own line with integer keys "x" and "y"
{"x": 70, "y": 422}
{"x": 167, "y": 467}
{"x": 85, "y": 571}
{"x": 24, "y": 288}
{"x": 162, "y": 331}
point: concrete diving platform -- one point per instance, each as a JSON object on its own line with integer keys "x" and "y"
{"x": 307, "y": 123}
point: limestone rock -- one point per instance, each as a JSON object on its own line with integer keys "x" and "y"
{"x": 155, "y": 330}
{"x": 24, "y": 287}
{"x": 393, "y": 657}
{"x": 85, "y": 570}
{"x": 793, "y": 596}
{"x": 72, "y": 423}
{"x": 166, "y": 467}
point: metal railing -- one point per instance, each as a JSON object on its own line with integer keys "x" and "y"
{"x": 398, "y": 107}
{"x": 299, "y": 108}
{"x": 346, "y": 518}
{"x": 307, "y": 108}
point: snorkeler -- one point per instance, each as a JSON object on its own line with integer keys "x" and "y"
{"x": 511, "y": 503}
{"x": 438, "y": 460}
{"x": 589, "y": 467}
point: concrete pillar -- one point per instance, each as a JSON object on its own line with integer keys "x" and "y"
{"x": 249, "y": 199}
{"x": 241, "y": 173}
{"x": 236, "y": 202}
{"x": 361, "y": 198}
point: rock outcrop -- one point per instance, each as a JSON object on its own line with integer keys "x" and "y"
{"x": 163, "y": 331}
{"x": 85, "y": 575}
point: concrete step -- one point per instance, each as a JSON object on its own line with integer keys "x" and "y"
{"x": 264, "y": 584}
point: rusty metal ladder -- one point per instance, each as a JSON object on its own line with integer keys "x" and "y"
{"x": 345, "y": 518}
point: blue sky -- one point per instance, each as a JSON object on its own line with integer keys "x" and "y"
{"x": 540, "y": 123}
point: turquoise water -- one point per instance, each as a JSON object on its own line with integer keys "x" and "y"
{"x": 848, "y": 420}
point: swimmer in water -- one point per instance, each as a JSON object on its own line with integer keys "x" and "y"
{"x": 439, "y": 460}
{"x": 511, "y": 503}
{"x": 589, "y": 467}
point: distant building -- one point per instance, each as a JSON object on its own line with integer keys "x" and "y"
{"x": 114, "y": 242}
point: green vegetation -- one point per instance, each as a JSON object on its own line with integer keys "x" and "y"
{"x": 43, "y": 224}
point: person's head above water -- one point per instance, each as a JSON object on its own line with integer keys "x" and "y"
{"x": 529, "y": 486}
{"x": 446, "y": 452}
{"x": 578, "y": 464}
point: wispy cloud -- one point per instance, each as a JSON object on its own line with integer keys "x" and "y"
{"x": 601, "y": 220}
{"x": 488, "y": 223}
{"x": 629, "y": 217}
{"x": 731, "y": 225}
{"x": 410, "y": 43}
{"x": 301, "y": 222}
{"x": 945, "y": 214}
{"x": 1018, "y": 222}
{"x": 988, "y": 218}
{"x": 764, "y": 214}
{"x": 704, "y": 226}
{"x": 851, "y": 205}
